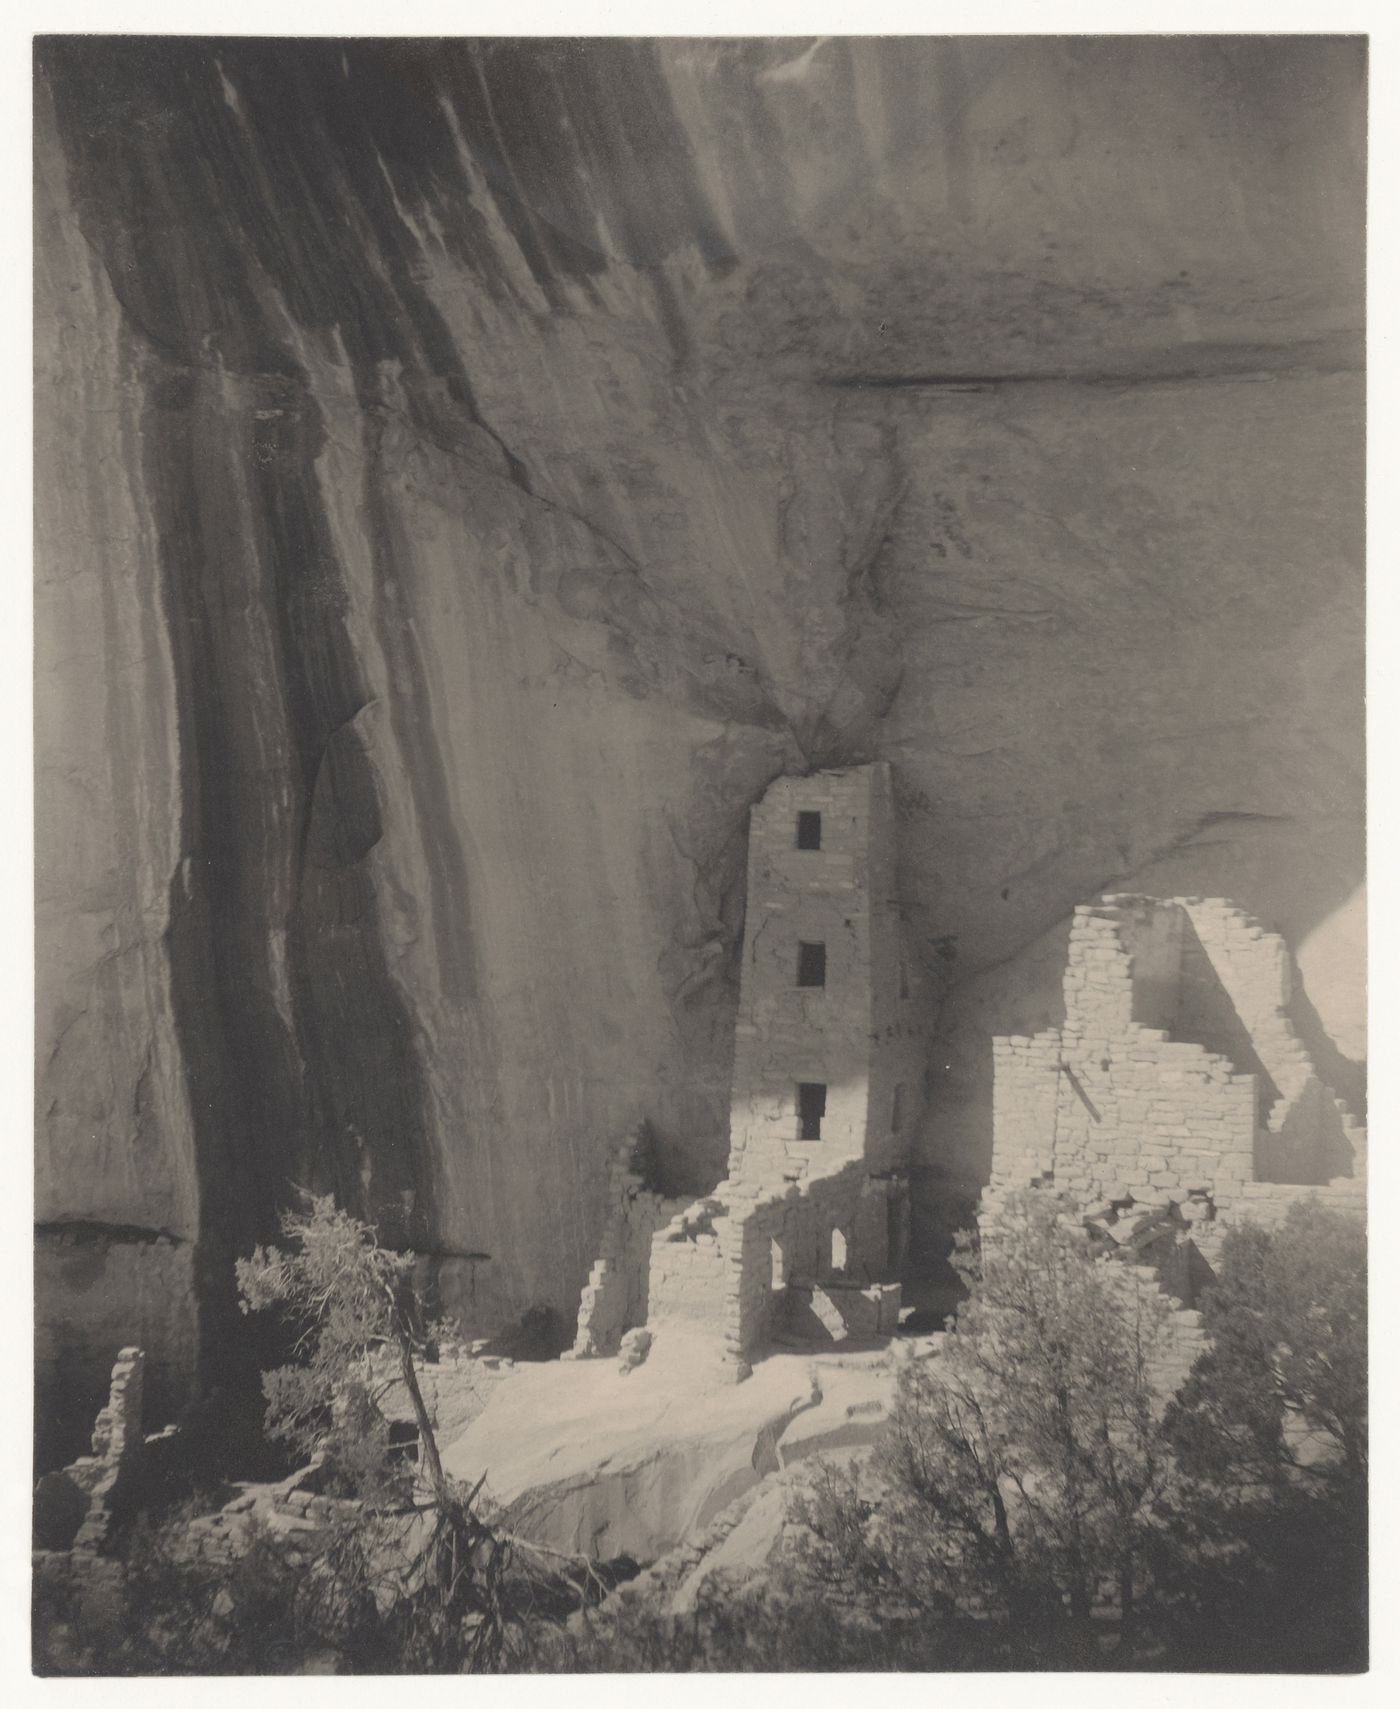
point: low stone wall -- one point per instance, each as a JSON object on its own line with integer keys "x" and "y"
{"x": 455, "y": 1385}
{"x": 791, "y": 1236}
{"x": 293, "y": 1513}
{"x": 617, "y": 1295}
{"x": 689, "y": 1269}
{"x": 1268, "y": 1202}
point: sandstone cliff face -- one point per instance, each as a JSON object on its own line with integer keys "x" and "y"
{"x": 468, "y": 473}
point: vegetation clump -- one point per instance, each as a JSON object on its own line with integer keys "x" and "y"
{"x": 1047, "y": 1493}
{"x": 1041, "y": 1499}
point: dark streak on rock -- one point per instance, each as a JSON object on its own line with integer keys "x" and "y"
{"x": 77, "y": 1231}
{"x": 321, "y": 1084}
{"x": 1342, "y": 355}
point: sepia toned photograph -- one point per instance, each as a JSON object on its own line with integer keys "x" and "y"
{"x": 699, "y": 887}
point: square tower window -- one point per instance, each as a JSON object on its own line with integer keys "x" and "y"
{"x": 811, "y": 964}
{"x": 811, "y": 1107}
{"x": 809, "y": 830}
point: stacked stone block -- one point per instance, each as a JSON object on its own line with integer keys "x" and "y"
{"x": 1115, "y": 1112}
{"x": 722, "y": 1263}
{"x": 615, "y": 1297}
{"x": 690, "y": 1263}
{"x": 1179, "y": 1338}
{"x": 785, "y": 1241}
{"x": 99, "y": 1482}
{"x": 1307, "y": 1134}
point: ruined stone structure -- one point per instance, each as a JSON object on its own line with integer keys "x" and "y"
{"x": 410, "y": 645}
{"x": 800, "y": 1237}
{"x": 75, "y": 1507}
{"x": 615, "y": 1295}
{"x": 1177, "y": 1096}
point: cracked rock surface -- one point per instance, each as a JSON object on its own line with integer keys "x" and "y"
{"x": 591, "y": 1460}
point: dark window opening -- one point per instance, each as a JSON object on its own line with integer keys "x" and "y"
{"x": 403, "y": 1440}
{"x": 809, "y": 830}
{"x": 811, "y": 1107}
{"x": 903, "y": 978}
{"x": 811, "y": 964}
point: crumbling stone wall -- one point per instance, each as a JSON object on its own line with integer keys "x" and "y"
{"x": 843, "y": 1015}
{"x": 75, "y": 1507}
{"x": 616, "y": 1295}
{"x": 1119, "y": 1114}
{"x": 857, "y": 1034}
{"x": 789, "y": 1243}
{"x": 690, "y": 1262}
{"x": 95, "y": 1292}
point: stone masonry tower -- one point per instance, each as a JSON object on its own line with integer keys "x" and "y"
{"x": 826, "y": 1059}
{"x": 802, "y": 1238}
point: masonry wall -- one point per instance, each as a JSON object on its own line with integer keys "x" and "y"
{"x": 616, "y": 1296}
{"x": 723, "y": 1262}
{"x": 788, "y": 1239}
{"x": 784, "y": 1034}
{"x": 1206, "y": 1010}
{"x": 1114, "y": 1111}
{"x": 899, "y": 998}
{"x": 1152, "y": 937}
{"x": 692, "y": 1266}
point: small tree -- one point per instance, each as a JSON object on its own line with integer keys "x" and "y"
{"x": 1037, "y": 1459}
{"x": 1270, "y": 1431}
{"x": 1280, "y": 1396}
{"x": 419, "y": 1567}
{"x": 1023, "y": 1468}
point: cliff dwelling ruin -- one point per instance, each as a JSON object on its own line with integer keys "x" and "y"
{"x": 805, "y": 1236}
{"x": 680, "y": 661}
{"x": 1175, "y": 1098}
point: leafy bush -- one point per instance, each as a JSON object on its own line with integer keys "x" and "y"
{"x": 418, "y": 1574}
{"x": 1034, "y": 1474}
